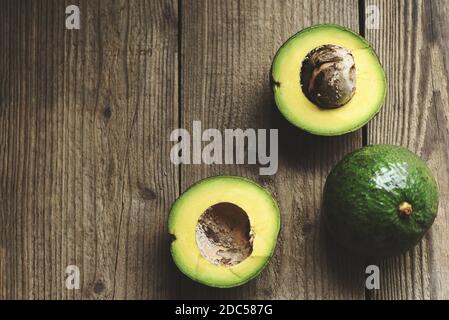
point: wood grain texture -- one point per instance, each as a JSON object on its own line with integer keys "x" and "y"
{"x": 412, "y": 44}
{"x": 84, "y": 177}
{"x": 85, "y": 119}
{"x": 227, "y": 49}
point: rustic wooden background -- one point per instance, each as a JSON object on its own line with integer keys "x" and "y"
{"x": 85, "y": 118}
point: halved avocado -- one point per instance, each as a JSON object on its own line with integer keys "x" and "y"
{"x": 224, "y": 230}
{"x": 327, "y": 80}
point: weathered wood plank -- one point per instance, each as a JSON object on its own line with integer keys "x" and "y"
{"x": 84, "y": 174}
{"x": 227, "y": 48}
{"x": 412, "y": 44}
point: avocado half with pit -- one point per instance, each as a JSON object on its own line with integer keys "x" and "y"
{"x": 380, "y": 201}
{"x": 327, "y": 80}
{"x": 224, "y": 230}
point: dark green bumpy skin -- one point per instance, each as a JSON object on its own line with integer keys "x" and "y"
{"x": 362, "y": 195}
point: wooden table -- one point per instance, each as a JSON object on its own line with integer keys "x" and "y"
{"x": 85, "y": 119}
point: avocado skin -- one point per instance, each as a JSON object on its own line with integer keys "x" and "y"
{"x": 361, "y": 198}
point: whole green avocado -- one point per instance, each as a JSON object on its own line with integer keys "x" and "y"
{"x": 380, "y": 200}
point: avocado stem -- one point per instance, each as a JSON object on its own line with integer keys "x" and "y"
{"x": 405, "y": 208}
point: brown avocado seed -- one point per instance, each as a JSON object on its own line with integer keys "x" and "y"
{"x": 223, "y": 234}
{"x": 328, "y": 76}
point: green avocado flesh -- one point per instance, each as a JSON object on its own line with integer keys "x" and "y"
{"x": 327, "y": 80}
{"x": 380, "y": 201}
{"x": 224, "y": 230}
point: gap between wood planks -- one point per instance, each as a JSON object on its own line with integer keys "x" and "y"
{"x": 362, "y": 25}
{"x": 179, "y": 85}
{"x": 362, "y": 14}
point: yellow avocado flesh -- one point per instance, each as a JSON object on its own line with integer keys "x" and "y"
{"x": 299, "y": 110}
{"x": 263, "y": 215}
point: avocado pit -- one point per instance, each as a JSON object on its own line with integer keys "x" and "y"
{"x": 223, "y": 234}
{"x": 328, "y": 76}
